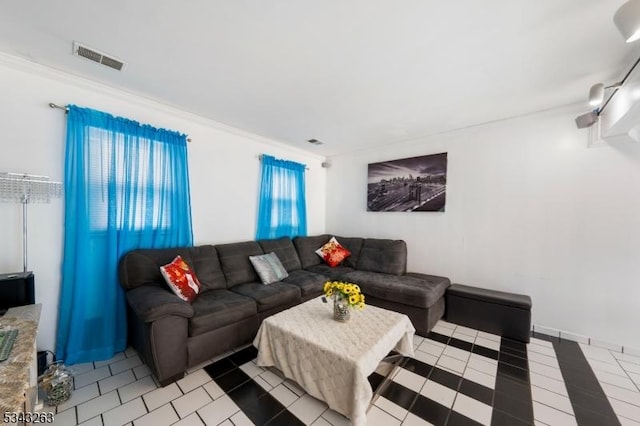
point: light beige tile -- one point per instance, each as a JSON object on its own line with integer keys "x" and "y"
{"x": 78, "y": 397}
{"x": 78, "y": 369}
{"x": 545, "y": 370}
{"x": 490, "y": 336}
{"x": 92, "y": 376}
{"x": 191, "y": 402}
{"x": 320, "y": 421}
{"x": 456, "y": 353}
{"x": 465, "y": 330}
{"x": 307, "y": 409}
{"x": 551, "y": 416}
{"x": 622, "y": 394}
{"x": 614, "y": 379}
{"x": 451, "y": 364}
{"x": 409, "y": 379}
{"x": 551, "y": 361}
{"x": 141, "y": 371}
{"x": 484, "y": 379}
{"x": 430, "y": 348}
{"x": 137, "y": 388}
{"x": 623, "y": 409}
{"x": 294, "y": 387}
{"x": 213, "y": 390}
{"x": 96, "y": 406}
{"x": 117, "y": 381}
{"x": 129, "y": 352}
{"x": 473, "y": 409}
{"x": 191, "y": 420}
{"x": 193, "y": 380}
{"x": 96, "y": 421}
{"x": 487, "y": 343}
{"x": 438, "y": 393}
{"x": 124, "y": 413}
{"x": 251, "y": 369}
{"x": 161, "y": 396}
{"x": 413, "y": 420}
{"x": 271, "y": 378}
{"x": 284, "y": 395}
{"x": 553, "y": 385}
{"x": 240, "y": 419}
{"x": 377, "y": 417}
{"x": 334, "y": 418}
{"x": 425, "y": 357}
{"x": 163, "y": 416}
{"x": 391, "y": 408}
{"x": 552, "y": 399}
{"x": 117, "y": 357}
{"x": 263, "y": 383}
{"x": 65, "y": 418}
{"x": 217, "y": 411}
{"x": 125, "y": 364}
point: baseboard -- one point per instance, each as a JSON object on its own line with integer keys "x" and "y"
{"x": 585, "y": 340}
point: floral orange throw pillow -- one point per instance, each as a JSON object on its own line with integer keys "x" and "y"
{"x": 333, "y": 252}
{"x": 181, "y": 279}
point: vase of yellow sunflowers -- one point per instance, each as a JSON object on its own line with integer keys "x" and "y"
{"x": 346, "y": 296}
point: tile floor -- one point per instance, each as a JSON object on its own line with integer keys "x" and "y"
{"x": 459, "y": 376}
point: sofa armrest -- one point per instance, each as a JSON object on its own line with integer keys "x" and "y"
{"x": 151, "y": 303}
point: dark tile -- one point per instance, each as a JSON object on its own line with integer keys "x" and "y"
{"x": 430, "y": 411}
{"x": 514, "y": 388}
{"x": 245, "y": 394}
{"x": 285, "y": 418}
{"x": 445, "y": 378}
{"x": 232, "y": 380}
{"x": 513, "y": 344}
{"x": 583, "y": 388}
{"x": 499, "y": 418}
{"x": 375, "y": 380}
{"x": 514, "y": 360}
{"x": 476, "y": 391}
{"x": 514, "y": 352}
{"x": 519, "y": 408}
{"x": 399, "y": 395}
{"x": 457, "y": 419}
{"x": 513, "y": 372}
{"x": 481, "y": 350}
{"x": 418, "y": 367}
{"x": 544, "y": 337}
{"x": 460, "y": 344}
{"x": 438, "y": 337}
{"x": 242, "y": 357}
{"x": 264, "y": 409}
{"x": 219, "y": 368}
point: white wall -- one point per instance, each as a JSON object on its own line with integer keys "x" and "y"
{"x": 530, "y": 209}
{"x": 224, "y": 170}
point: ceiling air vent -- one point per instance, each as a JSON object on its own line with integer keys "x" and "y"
{"x": 315, "y": 141}
{"x": 97, "y": 56}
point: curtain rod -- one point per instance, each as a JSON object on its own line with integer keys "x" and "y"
{"x": 260, "y": 158}
{"x": 66, "y": 109}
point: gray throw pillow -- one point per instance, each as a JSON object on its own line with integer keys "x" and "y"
{"x": 269, "y": 268}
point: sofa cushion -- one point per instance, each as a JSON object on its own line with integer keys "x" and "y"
{"x": 285, "y": 250}
{"x": 142, "y": 267}
{"x": 331, "y": 274}
{"x": 205, "y": 263}
{"x": 408, "y": 290}
{"x": 382, "y": 255}
{"x": 306, "y": 248}
{"x": 310, "y": 283}
{"x": 268, "y": 267}
{"x": 333, "y": 253}
{"x": 269, "y": 296}
{"x": 181, "y": 279}
{"x": 354, "y": 245}
{"x": 217, "y": 308}
{"x": 234, "y": 259}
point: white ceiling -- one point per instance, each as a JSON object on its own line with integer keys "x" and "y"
{"x": 352, "y": 73}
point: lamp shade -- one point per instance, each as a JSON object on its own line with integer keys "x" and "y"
{"x": 596, "y": 94}
{"x": 627, "y": 19}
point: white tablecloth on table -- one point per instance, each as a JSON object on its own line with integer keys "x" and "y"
{"x": 329, "y": 359}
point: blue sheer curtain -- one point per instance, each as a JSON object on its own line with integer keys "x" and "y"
{"x": 282, "y": 210}
{"x": 126, "y": 186}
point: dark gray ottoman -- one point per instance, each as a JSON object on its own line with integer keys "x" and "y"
{"x": 497, "y": 312}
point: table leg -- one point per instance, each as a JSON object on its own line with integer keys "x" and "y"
{"x": 395, "y": 361}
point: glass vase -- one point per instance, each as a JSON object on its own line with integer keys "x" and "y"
{"x": 341, "y": 309}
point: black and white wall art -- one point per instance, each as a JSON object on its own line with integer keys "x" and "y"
{"x": 416, "y": 184}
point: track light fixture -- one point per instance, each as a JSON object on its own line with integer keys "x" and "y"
{"x": 596, "y": 93}
{"x": 627, "y": 19}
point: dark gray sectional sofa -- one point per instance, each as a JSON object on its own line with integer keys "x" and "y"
{"x": 172, "y": 335}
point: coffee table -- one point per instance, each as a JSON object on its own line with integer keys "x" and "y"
{"x": 331, "y": 360}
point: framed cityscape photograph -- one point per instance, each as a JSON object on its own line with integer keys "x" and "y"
{"x": 416, "y": 184}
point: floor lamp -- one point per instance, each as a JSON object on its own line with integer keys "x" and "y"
{"x": 25, "y": 189}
